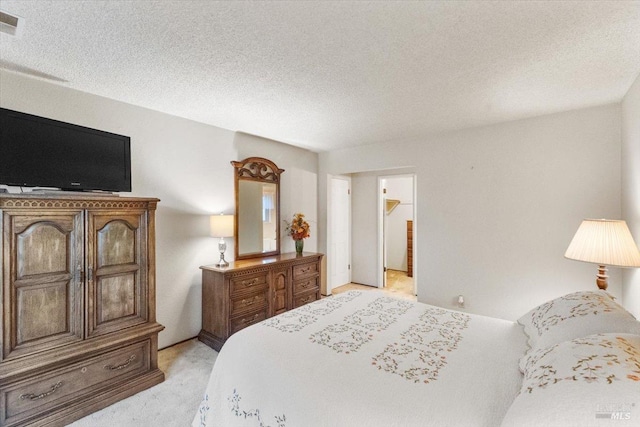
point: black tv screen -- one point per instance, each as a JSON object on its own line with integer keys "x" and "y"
{"x": 40, "y": 152}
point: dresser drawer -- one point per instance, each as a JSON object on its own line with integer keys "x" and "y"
{"x": 34, "y": 396}
{"x": 304, "y": 285}
{"x": 302, "y": 270}
{"x": 253, "y": 283}
{"x": 302, "y": 299}
{"x": 241, "y": 322}
{"x": 248, "y": 302}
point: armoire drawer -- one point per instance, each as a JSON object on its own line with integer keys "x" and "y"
{"x": 34, "y": 396}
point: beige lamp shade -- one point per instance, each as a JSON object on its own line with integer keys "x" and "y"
{"x": 221, "y": 225}
{"x": 604, "y": 242}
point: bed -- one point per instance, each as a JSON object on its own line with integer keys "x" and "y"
{"x": 367, "y": 359}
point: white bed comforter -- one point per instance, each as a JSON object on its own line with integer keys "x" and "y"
{"x": 365, "y": 359}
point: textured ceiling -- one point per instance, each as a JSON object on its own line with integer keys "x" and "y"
{"x": 324, "y": 75}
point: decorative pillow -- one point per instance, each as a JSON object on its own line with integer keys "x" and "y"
{"x": 587, "y": 381}
{"x": 573, "y": 316}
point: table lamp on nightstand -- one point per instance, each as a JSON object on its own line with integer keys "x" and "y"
{"x": 221, "y": 226}
{"x": 604, "y": 242}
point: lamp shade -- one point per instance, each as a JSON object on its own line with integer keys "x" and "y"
{"x": 604, "y": 242}
{"x": 221, "y": 225}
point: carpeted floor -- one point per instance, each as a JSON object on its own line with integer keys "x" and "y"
{"x": 174, "y": 402}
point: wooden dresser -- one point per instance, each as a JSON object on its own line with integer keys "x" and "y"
{"x": 251, "y": 290}
{"x": 78, "y": 325}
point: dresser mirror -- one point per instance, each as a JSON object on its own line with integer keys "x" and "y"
{"x": 257, "y": 219}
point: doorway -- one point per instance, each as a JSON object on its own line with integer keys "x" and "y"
{"x": 396, "y": 216}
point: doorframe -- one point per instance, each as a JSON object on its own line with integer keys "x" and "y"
{"x": 381, "y": 240}
{"x": 330, "y": 220}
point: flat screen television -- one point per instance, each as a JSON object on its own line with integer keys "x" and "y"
{"x": 40, "y": 152}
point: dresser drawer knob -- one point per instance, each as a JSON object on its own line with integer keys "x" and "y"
{"x": 307, "y": 299}
{"x": 32, "y": 396}
{"x": 247, "y": 302}
{"x": 122, "y": 366}
{"x": 250, "y": 282}
{"x": 306, "y": 284}
{"x": 304, "y": 270}
{"x": 251, "y": 319}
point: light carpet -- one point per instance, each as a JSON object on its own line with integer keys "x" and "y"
{"x": 174, "y": 402}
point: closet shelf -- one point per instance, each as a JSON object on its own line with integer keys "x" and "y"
{"x": 391, "y": 205}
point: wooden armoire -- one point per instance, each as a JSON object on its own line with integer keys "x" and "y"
{"x": 78, "y": 326}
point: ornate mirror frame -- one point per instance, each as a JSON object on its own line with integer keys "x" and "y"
{"x": 261, "y": 170}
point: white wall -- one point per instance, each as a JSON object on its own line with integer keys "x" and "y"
{"x": 498, "y": 205}
{"x": 183, "y": 163}
{"x": 631, "y": 189}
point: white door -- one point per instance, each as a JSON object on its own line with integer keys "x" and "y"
{"x": 340, "y": 231}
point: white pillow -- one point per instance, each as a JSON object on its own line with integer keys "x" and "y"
{"x": 573, "y": 316}
{"x": 590, "y": 381}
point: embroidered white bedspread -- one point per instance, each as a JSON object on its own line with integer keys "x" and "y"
{"x": 365, "y": 359}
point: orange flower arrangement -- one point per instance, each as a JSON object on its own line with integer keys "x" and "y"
{"x": 298, "y": 229}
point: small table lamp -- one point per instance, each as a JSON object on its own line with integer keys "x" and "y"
{"x": 604, "y": 242}
{"x": 221, "y": 226}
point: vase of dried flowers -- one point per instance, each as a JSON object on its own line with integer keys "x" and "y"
{"x": 298, "y": 229}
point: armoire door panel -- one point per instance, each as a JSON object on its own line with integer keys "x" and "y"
{"x": 42, "y": 311}
{"x": 117, "y": 270}
{"x": 42, "y": 281}
{"x": 118, "y": 243}
{"x": 117, "y": 297}
{"x": 44, "y": 248}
